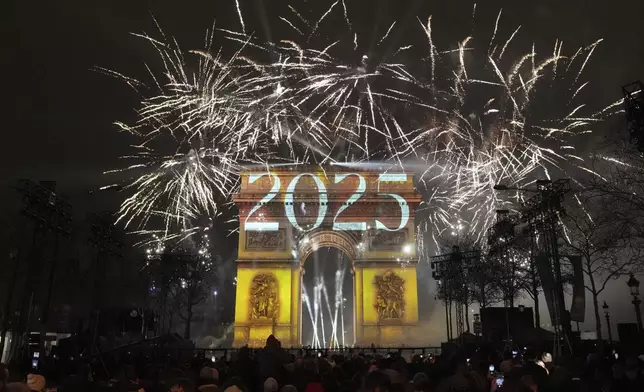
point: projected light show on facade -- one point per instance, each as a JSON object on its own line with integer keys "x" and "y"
{"x": 288, "y": 216}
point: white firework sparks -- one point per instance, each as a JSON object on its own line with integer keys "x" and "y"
{"x": 490, "y": 119}
{"x": 500, "y": 122}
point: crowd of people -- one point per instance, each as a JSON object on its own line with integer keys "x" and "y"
{"x": 273, "y": 369}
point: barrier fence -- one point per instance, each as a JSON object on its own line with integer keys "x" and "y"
{"x": 217, "y": 354}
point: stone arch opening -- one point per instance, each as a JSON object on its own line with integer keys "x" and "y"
{"x": 310, "y": 245}
{"x": 321, "y": 238}
{"x": 327, "y": 310}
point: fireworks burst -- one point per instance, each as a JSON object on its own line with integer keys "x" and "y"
{"x": 463, "y": 120}
{"x": 502, "y": 121}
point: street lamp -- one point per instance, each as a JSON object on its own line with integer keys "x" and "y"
{"x": 634, "y": 285}
{"x": 607, "y": 314}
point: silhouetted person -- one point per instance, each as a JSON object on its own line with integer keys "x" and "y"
{"x": 377, "y": 381}
{"x": 4, "y": 376}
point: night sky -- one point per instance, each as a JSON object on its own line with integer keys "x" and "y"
{"x": 58, "y": 112}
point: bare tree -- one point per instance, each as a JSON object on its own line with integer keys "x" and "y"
{"x": 598, "y": 230}
{"x": 619, "y": 177}
{"x": 181, "y": 278}
{"x": 481, "y": 284}
{"x": 468, "y": 281}
{"x": 192, "y": 289}
{"x": 510, "y": 273}
{"x": 163, "y": 270}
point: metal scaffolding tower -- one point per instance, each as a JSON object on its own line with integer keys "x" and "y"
{"x": 540, "y": 217}
{"x": 51, "y": 217}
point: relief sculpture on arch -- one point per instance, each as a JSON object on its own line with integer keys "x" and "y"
{"x": 264, "y": 299}
{"x": 390, "y": 301}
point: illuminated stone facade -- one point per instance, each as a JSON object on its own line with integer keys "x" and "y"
{"x": 378, "y": 210}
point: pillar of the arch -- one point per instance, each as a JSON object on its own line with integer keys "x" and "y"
{"x": 285, "y": 323}
{"x": 296, "y": 307}
{"x": 358, "y": 313}
{"x": 370, "y": 327}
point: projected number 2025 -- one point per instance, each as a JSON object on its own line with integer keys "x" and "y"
{"x": 323, "y": 199}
